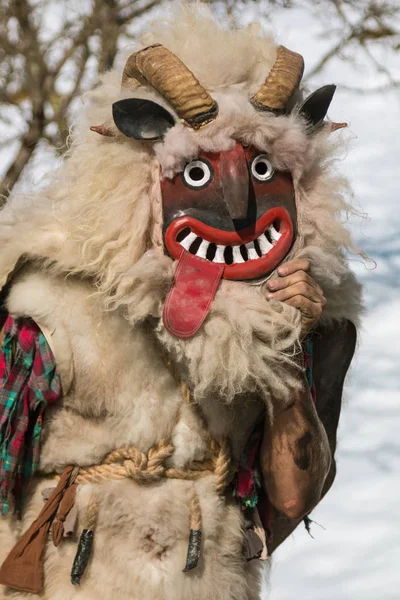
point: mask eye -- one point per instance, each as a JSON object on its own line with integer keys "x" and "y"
{"x": 198, "y": 174}
{"x": 261, "y": 168}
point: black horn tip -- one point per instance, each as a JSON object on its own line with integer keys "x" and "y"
{"x": 193, "y": 553}
{"x": 315, "y": 106}
{"x": 82, "y": 556}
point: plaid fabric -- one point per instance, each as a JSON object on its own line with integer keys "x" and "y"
{"x": 28, "y": 383}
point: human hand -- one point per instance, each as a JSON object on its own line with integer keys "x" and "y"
{"x": 295, "y": 287}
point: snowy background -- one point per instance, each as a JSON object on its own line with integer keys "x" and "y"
{"x": 356, "y": 555}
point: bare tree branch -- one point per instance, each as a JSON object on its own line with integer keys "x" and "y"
{"x": 28, "y": 145}
{"x": 327, "y": 57}
{"x": 80, "y": 38}
{"x": 134, "y": 13}
{"x": 370, "y": 27}
{"x": 34, "y": 67}
{"x": 379, "y": 89}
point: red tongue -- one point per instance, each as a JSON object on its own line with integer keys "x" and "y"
{"x": 189, "y": 301}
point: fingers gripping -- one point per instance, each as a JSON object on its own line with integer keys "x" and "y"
{"x": 296, "y": 287}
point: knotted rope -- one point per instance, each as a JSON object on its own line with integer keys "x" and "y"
{"x": 120, "y": 464}
{"x": 131, "y": 463}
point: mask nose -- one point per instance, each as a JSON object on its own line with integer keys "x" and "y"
{"x": 235, "y": 181}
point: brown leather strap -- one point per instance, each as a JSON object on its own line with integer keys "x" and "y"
{"x": 66, "y": 505}
{"x": 1, "y": 336}
{"x": 23, "y": 567}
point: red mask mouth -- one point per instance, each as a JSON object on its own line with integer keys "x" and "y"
{"x": 250, "y": 253}
{"x": 228, "y": 214}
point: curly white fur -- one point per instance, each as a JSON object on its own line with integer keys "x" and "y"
{"x": 103, "y": 211}
{"x": 98, "y": 279}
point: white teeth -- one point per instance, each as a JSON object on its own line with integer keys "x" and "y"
{"x": 188, "y": 241}
{"x": 275, "y": 235}
{"x": 251, "y": 251}
{"x": 219, "y": 254}
{"x": 202, "y": 251}
{"x": 237, "y": 256}
{"x": 263, "y": 242}
{"x": 265, "y": 246}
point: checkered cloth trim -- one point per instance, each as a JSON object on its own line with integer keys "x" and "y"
{"x": 29, "y": 382}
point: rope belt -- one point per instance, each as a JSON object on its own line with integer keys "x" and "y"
{"x": 23, "y": 568}
{"x": 131, "y": 463}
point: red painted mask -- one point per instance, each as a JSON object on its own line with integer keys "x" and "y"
{"x": 231, "y": 208}
{"x": 229, "y": 214}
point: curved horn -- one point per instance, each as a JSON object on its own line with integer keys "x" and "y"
{"x": 281, "y": 82}
{"x": 172, "y": 79}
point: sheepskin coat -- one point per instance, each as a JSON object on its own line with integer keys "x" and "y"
{"x": 94, "y": 277}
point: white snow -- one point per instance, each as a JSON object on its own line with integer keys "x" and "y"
{"x": 357, "y": 555}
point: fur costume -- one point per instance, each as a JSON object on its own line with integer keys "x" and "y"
{"x": 93, "y": 273}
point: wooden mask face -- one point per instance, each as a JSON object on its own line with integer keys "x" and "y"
{"x": 231, "y": 208}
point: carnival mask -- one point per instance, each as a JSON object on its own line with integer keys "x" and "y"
{"x": 231, "y": 208}
{"x": 228, "y": 214}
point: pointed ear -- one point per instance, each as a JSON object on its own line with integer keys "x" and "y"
{"x": 315, "y": 107}
{"x": 142, "y": 119}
